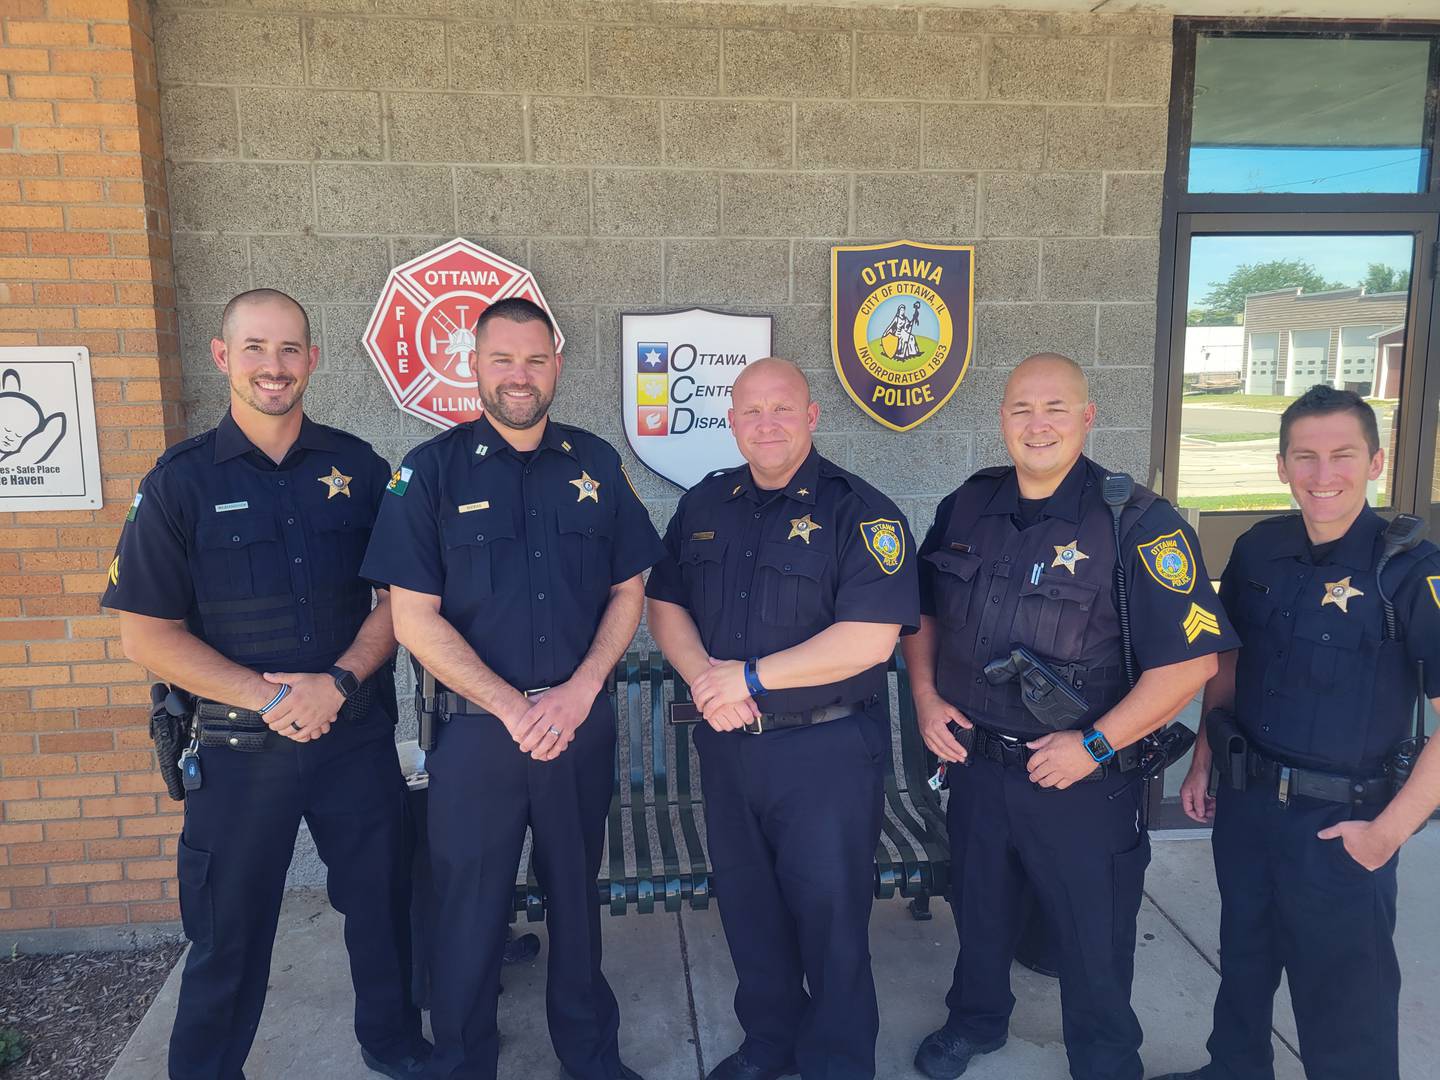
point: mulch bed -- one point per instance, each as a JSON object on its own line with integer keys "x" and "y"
{"x": 78, "y": 1010}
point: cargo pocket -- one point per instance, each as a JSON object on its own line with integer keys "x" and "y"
{"x": 239, "y": 557}
{"x": 585, "y": 537}
{"x": 702, "y": 568}
{"x": 469, "y": 553}
{"x": 789, "y": 579}
{"x": 197, "y": 910}
{"x": 1054, "y": 615}
{"x": 1128, "y": 871}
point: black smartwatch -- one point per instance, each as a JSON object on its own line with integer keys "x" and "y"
{"x": 1097, "y": 746}
{"x": 345, "y": 682}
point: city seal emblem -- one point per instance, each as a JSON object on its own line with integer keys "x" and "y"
{"x": 901, "y": 326}
{"x": 1169, "y": 560}
{"x": 885, "y": 540}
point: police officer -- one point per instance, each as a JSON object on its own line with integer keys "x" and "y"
{"x": 515, "y": 546}
{"x": 237, "y": 578}
{"x": 1320, "y": 700}
{"x": 1026, "y": 556}
{"x": 785, "y": 585}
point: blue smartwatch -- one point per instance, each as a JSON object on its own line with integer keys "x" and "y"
{"x": 752, "y": 678}
{"x": 1097, "y": 746}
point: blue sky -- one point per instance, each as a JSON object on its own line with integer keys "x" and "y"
{"x": 1337, "y": 258}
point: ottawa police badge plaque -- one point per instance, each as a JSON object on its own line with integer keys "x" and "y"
{"x": 901, "y": 326}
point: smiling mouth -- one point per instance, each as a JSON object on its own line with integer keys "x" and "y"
{"x": 273, "y": 386}
{"x": 1042, "y": 445}
{"x": 1329, "y": 493}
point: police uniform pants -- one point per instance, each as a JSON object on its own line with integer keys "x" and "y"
{"x": 239, "y": 835}
{"x": 1085, "y": 856}
{"x": 792, "y": 820}
{"x": 483, "y": 794}
{"x": 1291, "y": 900}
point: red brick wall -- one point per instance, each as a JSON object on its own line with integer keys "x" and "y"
{"x": 86, "y": 832}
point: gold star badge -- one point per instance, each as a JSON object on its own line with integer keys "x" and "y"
{"x": 337, "y": 483}
{"x": 587, "y": 487}
{"x": 802, "y": 527}
{"x": 802, "y": 491}
{"x": 1067, "y": 555}
{"x": 1340, "y": 593}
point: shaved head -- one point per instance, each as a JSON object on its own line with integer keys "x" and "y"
{"x": 773, "y": 365}
{"x": 259, "y": 296}
{"x": 1055, "y": 363}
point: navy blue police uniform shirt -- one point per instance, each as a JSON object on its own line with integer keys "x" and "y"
{"x": 762, "y": 571}
{"x": 261, "y": 560}
{"x": 521, "y": 548}
{"x": 991, "y": 584}
{"x": 1317, "y": 682}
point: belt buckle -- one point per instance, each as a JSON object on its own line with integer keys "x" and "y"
{"x": 756, "y": 726}
{"x": 1284, "y": 792}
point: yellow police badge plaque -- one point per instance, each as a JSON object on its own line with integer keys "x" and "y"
{"x": 901, "y": 326}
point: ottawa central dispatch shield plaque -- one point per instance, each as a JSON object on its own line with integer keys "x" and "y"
{"x": 901, "y": 326}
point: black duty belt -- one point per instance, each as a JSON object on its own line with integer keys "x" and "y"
{"x": 1011, "y": 751}
{"x": 685, "y": 712}
{"x": 446, "y": 704}
{"x": 245, "y": 729}
{"x": 1287, "y": 781}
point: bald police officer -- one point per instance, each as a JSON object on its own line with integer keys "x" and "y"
{"x": 237, "y": 578}
{"x": 785, "y": 584}
{"x": 514, "y": 546}
{"x": 1025, "y": 556}
{"x": 1313, "y": 739}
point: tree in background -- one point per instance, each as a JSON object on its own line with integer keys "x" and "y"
{"x": 1224, "y": 304}
{"x": 1380, "y": 278}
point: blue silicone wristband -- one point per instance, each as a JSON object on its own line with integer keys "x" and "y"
{"x": 752, "y": 678}
{"x": 279, "y": 696}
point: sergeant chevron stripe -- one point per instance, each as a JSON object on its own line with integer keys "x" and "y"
{"x": 1199, "y": 621}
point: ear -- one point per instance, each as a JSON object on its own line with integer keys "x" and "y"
{"x": 1377, "y": 465}
{"x": 1280, "y": 469}
{"x": 559, "y": 362}
{"x": 812, "y": 411}
{"x": 220, "y": 354}
{"x": 1089, "y": 415}
{"x": 314, "y": 358}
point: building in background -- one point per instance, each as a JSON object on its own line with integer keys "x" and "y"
{"x": 1345, "y": 337}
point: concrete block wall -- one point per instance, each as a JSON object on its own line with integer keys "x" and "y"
{"x": 653, "y": 155}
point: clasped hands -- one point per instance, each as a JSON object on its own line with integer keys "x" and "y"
{"x": 1057, "y": 760}
{"x": 544, "y": 724}
{"x": 723, "y": 698}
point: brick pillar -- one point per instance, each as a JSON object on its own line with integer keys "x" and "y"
{"x": 86, "y": 833}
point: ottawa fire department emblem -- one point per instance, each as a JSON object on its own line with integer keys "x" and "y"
{"x": 422, "y": 334}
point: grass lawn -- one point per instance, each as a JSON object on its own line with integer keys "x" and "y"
{"x": 1265, "y": 402}
{"x": 1274, "y": 500}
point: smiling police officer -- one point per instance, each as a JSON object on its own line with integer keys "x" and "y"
{"x": 1311, "y": 739}
{"x": 787, "y": 583}
{"x": 237, "y": 577}
{"x": 514, "y": 546}
{"x": 1019, "y": 672}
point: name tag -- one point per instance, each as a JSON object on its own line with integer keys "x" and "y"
{"x": 709, "y": 534}
{"x": 1258, "y": 587}
{"x": 484, "y": 504}
{"x": 221, "y": 508}
{"x": 955, "y": 545}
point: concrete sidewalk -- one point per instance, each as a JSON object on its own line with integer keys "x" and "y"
{"x": 675, "y": 982}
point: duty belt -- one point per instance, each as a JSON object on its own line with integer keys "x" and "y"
{"x": 245, "y": 729}
{"x": 1287, "y": 781}
{"x": 446, "y": 704}
{"x": 1011, "y": 751}
{"x": 685, "y": 712}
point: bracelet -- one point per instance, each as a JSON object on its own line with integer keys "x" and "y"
{"x": 752, "y": 678}
{"x": 279, "y": 696}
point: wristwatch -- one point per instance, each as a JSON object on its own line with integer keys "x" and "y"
{"x": 345, "y": 682}
{"x": 1097, "y": 746}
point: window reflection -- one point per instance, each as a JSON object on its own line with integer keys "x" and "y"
{"x": 1310, "y": 115}
{"x": 1269, "y": 317}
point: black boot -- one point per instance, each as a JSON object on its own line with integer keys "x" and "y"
{"x": 946, "y": 1054}
{"x": 738, "y": 1067}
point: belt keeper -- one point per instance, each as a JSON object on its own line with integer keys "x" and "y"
{"x": 1284, "y": 792}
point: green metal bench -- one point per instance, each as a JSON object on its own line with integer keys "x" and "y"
{"x": 656, "y": 856}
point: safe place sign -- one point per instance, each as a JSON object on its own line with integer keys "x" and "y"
{"x": 49, "y": 455}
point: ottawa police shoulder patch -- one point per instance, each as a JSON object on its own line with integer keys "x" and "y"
{"x": 1169, "y": 560}
{"x": 1434, "y": 583}
{"x": 885, "y": 539}
{"x": 399, "y": 482}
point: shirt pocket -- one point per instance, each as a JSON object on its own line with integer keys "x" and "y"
{"x": 702, "y": 569}
{"x": 1252, "y": 608}
{"x": 239, "y": 557}
{"x": 472, "y": 559}
{"x": 339, "y": 548}
{"x": 953, "y": 581}
{"x": 1054, "y": 615}
{"x": 1333, "y": 665}
{"x": 791, "y": 580}
{"x": 586, "y": 533}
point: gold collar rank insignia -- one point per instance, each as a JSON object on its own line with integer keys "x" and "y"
{"x": 802, "y": 491}
{"x": 337, "y": 483}
{"x": 1199, "y": 621}
{"x": 885, "y": 540}
{"x": 802, "y": 527}
{"x": 1340, "y": 593}
{"x": 1067, "y": 555}
{"x": 1169, "y": 560}
{"x": 588, "y": 487}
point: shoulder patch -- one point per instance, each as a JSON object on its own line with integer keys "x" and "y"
{"x": 1434, "y": 582}
{"x": 885, "y": 539}
{"x": 1169, "y": 560}
{"x": 400, "y": 481}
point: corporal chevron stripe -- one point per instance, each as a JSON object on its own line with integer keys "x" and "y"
{"x": 1199, "y": 621}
